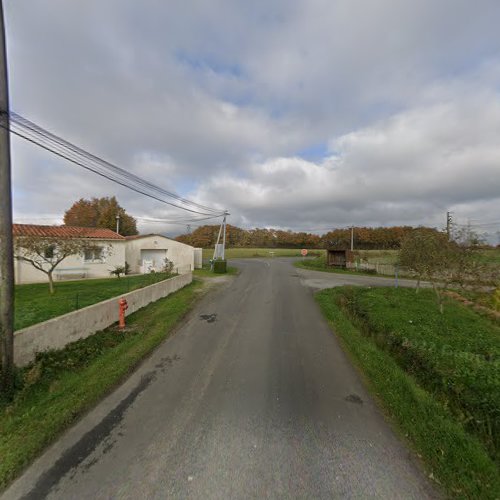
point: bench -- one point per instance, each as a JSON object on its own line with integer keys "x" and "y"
{"x": 71, "y": 272}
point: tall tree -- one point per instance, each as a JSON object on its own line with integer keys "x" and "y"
{"x": 100, "y": 212}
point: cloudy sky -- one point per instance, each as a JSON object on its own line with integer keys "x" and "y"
{"x": 300, "y": 114}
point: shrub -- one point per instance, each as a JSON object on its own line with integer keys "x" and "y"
{"x": 118, "y": 271}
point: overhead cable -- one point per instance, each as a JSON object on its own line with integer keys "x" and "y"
{"x": 35, "y": 134}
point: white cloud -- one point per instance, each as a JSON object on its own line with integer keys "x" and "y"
{"x": 409, "y": 168}
{"x": 217, "y": 98}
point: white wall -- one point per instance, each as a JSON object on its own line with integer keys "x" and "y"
{"x": 180, "y": 254}
{"x": 58, "y": 332}
{"x": 113, "y": 255}
{"x": 198, "y": 258}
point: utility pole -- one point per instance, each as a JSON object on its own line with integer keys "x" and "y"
{"x": 224, "y": 237}
{"x": 6, "y": 240}
{"x": 449, "y": 222}
{"x": 352, "y": 238}
{"x": 216, "y": 250}
{"x": 189, "y": 228}
{"x": 118, "y": 223}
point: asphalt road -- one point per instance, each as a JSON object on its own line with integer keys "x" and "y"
{"x": 320, "y": 279}
{"x": 251, "y": 398}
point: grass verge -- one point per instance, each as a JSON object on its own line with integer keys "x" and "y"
{"x": 34, "y": 303}
{"x": 61, "y": 385}
{"x": 426, "y": 413}
{"x": 205, "y": 272}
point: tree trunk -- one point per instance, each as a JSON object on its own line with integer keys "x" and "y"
{"x": 51, "y": 282}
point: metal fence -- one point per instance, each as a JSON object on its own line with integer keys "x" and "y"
{"x": 379, "y": 268}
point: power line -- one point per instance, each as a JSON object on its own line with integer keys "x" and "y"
{"x": 31, "y": 126}
{"x": 479, "y": 224}
{"x": 175, "y": 222}
{"x": 46, "y": 140}
{"x": 183, "y": 220}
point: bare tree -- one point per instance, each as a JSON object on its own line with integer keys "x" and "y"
{"x": 422, "y": 252}
{"x": 430, "y": 256}
{"x": 45, "y": 253}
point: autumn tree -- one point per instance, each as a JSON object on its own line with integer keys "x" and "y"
{"x": 100, "y": 212}
{"x": 45, "y": 254}
{"x": 365, "y": 238}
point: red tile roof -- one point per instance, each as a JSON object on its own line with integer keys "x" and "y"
{"x": 65, "y": 232}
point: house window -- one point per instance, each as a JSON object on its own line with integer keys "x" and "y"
{"x": 94, "y": 255}
{"x": 48, "y": 253}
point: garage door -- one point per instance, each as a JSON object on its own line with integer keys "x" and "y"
{"x": 152, "y": 260}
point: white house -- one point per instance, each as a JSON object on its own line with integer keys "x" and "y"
{"x": 143, "y": 253}
{"x": 108, "y": 251}
{"x": 146, "y": 253}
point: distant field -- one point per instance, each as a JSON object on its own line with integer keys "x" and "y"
{"x": 492, "y": 256}
{"x": 245, "y": 253}
{"x": 378, "y": 256}
{"x": 371, "y": 256}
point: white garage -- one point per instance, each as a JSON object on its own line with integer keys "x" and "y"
{"x": 146, "y": 253}
{"x": 152, "y": 260}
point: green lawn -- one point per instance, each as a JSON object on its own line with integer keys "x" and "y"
{"x": 438, "y": 376}
{"x": 33, "y": 303}
{"x": 60, "y": 386}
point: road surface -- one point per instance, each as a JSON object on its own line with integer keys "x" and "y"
{"x": 321, "y": 279}
{"x": 251, "y": 398}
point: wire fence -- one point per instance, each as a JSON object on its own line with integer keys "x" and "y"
{"x": 379, "y": 268}
{"x": 34, "y": 304}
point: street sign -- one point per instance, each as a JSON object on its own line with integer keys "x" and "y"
{"x": 304, "y": 252}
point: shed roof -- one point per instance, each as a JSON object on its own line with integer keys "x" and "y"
{"x": 156, "y": 235}
{"x": 138, "y": 236}
{"x": 65, "y": 232}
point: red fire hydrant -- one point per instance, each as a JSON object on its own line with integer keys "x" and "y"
{"x": 123, "y": 307}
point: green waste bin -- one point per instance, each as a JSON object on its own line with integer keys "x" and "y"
{"x": 220, "y": 266}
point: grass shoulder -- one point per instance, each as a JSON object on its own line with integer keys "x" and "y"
{"x": 206, "y": 272}
{"x": 61, "y": 385}
{"x": 438, "y": 383}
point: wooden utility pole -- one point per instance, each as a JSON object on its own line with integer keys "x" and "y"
{"x": 6, "y": 242}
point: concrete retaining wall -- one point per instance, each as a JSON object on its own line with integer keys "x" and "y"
{"x": 58, "y": 332}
